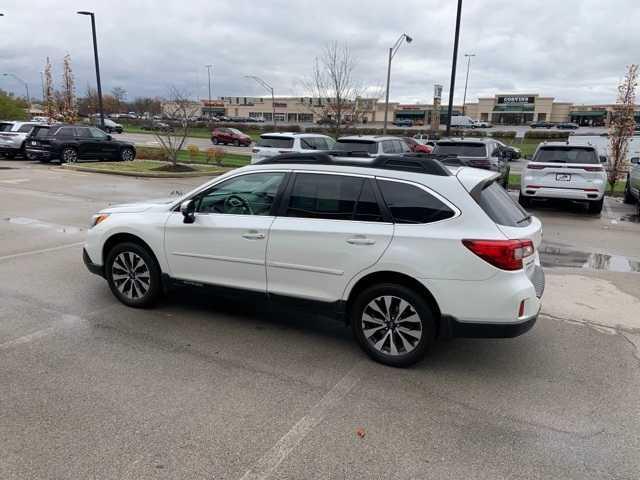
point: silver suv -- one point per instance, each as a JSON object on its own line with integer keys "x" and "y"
{"x": 372, "y": 145}
{"x": 13, "y": 136}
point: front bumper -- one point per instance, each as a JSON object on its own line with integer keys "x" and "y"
{"x": 92, "y": 267}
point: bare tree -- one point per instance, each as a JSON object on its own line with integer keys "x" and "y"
{"x": 181, "y": 110}
{"x": 119, "y": 94}
{"x": 332, "y": 87}
{"x": 49, "y": 101}
{"x": 621, "y": 127}
{"x": 69, "y": 109}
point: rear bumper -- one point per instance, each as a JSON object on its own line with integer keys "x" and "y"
{"x": 9, "y": 149}
{"x": 92, "y": 267}
{"x": 36, "y": 154}
{"x": 454, "y": 328}
{"x": 563, "y": 193}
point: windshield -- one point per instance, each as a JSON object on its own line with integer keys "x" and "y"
{"x": 566, "y": 155}
{"x": 236, "y": 131}
{"x": 356, "y": 146}
{"x": 275, "y": 142}
{"x": 465, "y": 149}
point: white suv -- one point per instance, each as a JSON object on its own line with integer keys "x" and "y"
{"x": 560, "y": 170}
{"x": 13, "y": 136}
{"x": 404, "y": 249}
{"x": 372, "y": 145}
{"x": 272, "y": 144}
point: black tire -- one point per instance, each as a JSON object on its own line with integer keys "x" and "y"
{"x": 127, "y": 154}
{"x": 596, "y": 205}
{"x": 236, "y": 143}
{"x": 628, "y": 198}
{"x": 113, "y": 266}
{"x": 425, "y": 325}
{"x": 11, "y": 155}
{"x": 68, "y": 155}
{"x": 524, "y": 201}
{"x": 214, "y": 140}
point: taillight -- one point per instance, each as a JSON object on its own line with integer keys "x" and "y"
{"x": 536, "y": 167}
{"x": 504, "y": 254}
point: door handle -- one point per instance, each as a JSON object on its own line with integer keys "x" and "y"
{"x": 361, "y": 241}
{"x": 253, "y": 236}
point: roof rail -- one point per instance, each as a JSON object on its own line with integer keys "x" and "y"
{"x": 408, "y": 162}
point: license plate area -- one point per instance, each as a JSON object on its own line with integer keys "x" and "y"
{"x": 563, "y": 177}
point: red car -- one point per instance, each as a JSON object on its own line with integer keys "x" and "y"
{"x": 416, "y": 147}
{"x": 230, "y": 136}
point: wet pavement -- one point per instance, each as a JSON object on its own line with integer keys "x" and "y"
{"x": 200, "y": 388}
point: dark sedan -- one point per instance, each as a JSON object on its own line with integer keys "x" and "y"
{"x": 541, "y": 124}
{"x": 568, "y": 126}
{"x": 70, "y": 143}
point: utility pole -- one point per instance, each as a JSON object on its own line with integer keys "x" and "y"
{"x": 466, "y": 82}
{"x": 269, "y": 88}
{"x": 209, "y": 67}
{"x": 95, "y": 55}
{"x": 452, "y": 85}
{"x": 392, "y": 51}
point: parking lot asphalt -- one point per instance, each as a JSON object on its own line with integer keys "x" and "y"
{"x": 204, "y": 388}
{"x": 148, "y": 140}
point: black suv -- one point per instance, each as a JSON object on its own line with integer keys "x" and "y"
{"x": 70, "y": 143}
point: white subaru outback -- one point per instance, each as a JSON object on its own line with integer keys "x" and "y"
{"x": 404, "y": 249}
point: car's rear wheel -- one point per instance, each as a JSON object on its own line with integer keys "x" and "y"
{"x": 628, "y": 197}
{"x": 524, "y": 201}
{"x": 11, "y": 155}
{"x": 69, "y": 155}
{"x": 393, "y": 324}
{"x": 127, "y": 154}
{"x": 596, "y": 205}
{"x": 133, "y": 275}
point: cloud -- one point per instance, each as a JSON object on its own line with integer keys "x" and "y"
{"x": 574, "y": 50}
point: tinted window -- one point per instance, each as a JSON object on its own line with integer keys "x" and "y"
{"x": 40, "y": 132}
{"x": 401, "y": 146}
{"x": 566, "y": 155}
{"x": 66, "y": 132}
{"x": 389, "y": 147}
{"x": 83, "y": 133}
{"x": 367, "y": 209}
{"x": 366, "y": 146}
{"x": 501, "y": 208}
{"x": 252, "y": 194}
{"x": 275, "y": 142}
{"x": 324, "y": 196}
{"x": 410, "y": 204}
{"x": 466, "y": 149}
{"x": 26, "y": 128}
{"x": 97, "y": 133}
{"x": 315, "y": 143}
{"x": 5, "y": 127}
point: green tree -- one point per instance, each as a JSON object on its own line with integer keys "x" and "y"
{"x": 12, "y": 108}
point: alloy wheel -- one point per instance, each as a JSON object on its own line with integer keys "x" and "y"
{"x": 69, "y": 155}
{"x": 127, "y": 154}
{"x": 131, "y": 275}
{"x": 391, "y": 325}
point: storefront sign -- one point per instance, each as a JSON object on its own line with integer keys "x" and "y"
{"x": 515, "y": 99}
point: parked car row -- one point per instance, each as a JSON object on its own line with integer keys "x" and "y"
{"x": 561, "y": 125}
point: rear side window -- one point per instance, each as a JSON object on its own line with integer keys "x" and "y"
{"x": 40, "y": 132}
{"x": 496, "y": 202}
{"x": 410, "y": 204}
{"x": 366, "y": 146}
{"x": 566, "y": 155}
{"x": 5, "y": 127}
{"x": 275, "y": 142}
{"x": 333, "y": 197}
{"x": 465, "y": 149}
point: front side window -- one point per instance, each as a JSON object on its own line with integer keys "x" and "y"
{"x": 65, "y": 132}
{"x": 388, "y": 147}
{"x": 251, "y": 194}
{"x": 410, "y": 204}
{"x": 365, "y": 146}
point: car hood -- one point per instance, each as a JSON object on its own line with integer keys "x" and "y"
{"x": 137, "y": 207}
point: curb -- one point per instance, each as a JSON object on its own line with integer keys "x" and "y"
{"x": 143, "y": 174}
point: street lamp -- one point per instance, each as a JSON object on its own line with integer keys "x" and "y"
{"x": 209, "y": 74}
{"x": 453, "y": 68}
{"x": 95, "y": 54}
{"x": 268, "y": 88}
{"x": 392, "y": 52}
{"x": 466, "y": 82}
{"x": 26, "y": 86}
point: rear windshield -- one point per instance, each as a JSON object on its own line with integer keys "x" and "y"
{"x": 27, "y": 127}
{"x": 5, "y": 127}
{"x": 566, "y": 155}
{"x": 275, "y": 142}
{"x": 501, "y": 208}
{"x": 462, "y": 149}
{"x": 356, "y": 146}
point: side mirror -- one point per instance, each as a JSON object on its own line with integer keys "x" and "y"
{"x": 188, "y": 210}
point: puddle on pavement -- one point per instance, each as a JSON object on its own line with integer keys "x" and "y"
{"x": 554, "y": 256}
{"x": 33, "y": 223}
{"x": 631, "y": 218}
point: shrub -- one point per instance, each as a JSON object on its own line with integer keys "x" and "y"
{"x": 504, "y": 134}
{"x": 546, "y": 135}
{"x": 193, "y": 152}
{"x": 150, "y": 153}
{"x": 215, "y": 154}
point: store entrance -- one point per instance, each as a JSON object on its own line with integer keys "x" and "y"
{"x": 511, "y": 118}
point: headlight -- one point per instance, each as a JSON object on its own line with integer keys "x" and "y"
{"x": 99, "y": 218}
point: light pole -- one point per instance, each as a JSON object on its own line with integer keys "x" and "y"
{"x": 95, "y": 54}
{"x": 26, "y": 86}
{"x": 453, "y": 68}
{"x": 466, "y": 82}
{"x": 209, "y": 67}
{"x": 269, "y": 88}
{"x": 392, "y": 52}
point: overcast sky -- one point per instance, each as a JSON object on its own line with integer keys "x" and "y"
{"x": 574, "y": 50}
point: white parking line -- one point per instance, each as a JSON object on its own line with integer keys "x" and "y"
{"x": 15, "y": 181}
{"x": 264, "y": 467}
{"x": 26, "y": 338}
{"x": 44, "y": 250}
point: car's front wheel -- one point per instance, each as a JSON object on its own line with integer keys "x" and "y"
{"x": 127, "y": 154}
{"x": 393, "y": 324}
{"x": 133, "y": 275}
{"x": 69, "y": 155}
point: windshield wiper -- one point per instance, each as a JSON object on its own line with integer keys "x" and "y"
{"x": 523, "y": 219}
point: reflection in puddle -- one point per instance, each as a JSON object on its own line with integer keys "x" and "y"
{"x": 33, "y": 223}
{"x": 553, "y": 256}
